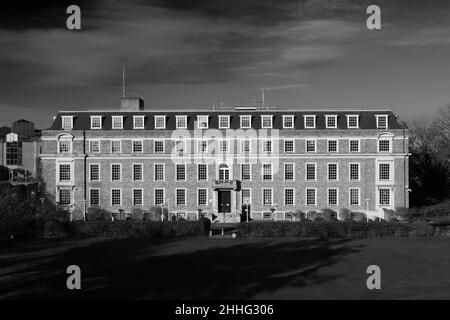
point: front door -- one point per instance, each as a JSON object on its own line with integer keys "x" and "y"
{"x": 224, "y": 204}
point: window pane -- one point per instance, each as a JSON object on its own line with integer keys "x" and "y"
{"x": 95, "y": 197}
{"x": 310, "y": 146}
{"x": 331, "y": 122}
{"x": 384, "y": 145}
{"x": 288, "y": 145}
{"x": 64, "y": 146}
{"x": 202, "y": 174}
{"x": 332, "y": 197}
{"x": 289, "y": 197}
{"x": 267, "y": 171}
{"x": 245, "y": 121}
{"x": 267, "y": 196}
{"x": 354, "y": 171}
{"x": 245, "y": 171}
{"x": 385, "y": 197}
{"x": 159, "y": 197}
{"x": 288, "y": 122}
{"x": 137, "y": 172}
{"x": 116, "y": 173}
{"x": 310, "y": 121}
{"x": 332, "y": 171}
{"x": 94, "y": 146}
{"x": 159, "y": 172}
{"x": 138, "y": 122}
{"x": 181, "y": 172}
{"x": 310, "y": 171}
{"x": 64, "y": 196}
{"x": 289, "y": 171}
{"x": 159, "y": 146}
{"x": 202, "y": 197}
{"x": 137, "y": 147}
{"x": 137, "y": 197}
{"x": 354, "y": 145}
{"x": 384, "y": 171}
{"x": 160, "y": 122}
{"x": 116, "y": 197}
{"x": 95, "y": 172}
{"x": 64, "y": 172}
{"x": 310, "y": 197}
{"x": 117, "y": 122}
{"x": 332, "y": 146}
{"x": 115, "y": 146}
{"x": 354, "y": 197}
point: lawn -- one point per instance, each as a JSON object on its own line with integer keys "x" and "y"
{"x": 204, "y": 268}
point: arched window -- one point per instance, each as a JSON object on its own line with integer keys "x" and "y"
{"x": 385, "y": 141}
{"x": 65, "y": 143}
{"x": 224, "y": 172}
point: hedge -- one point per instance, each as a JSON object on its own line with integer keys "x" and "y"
{"x": 142, "y": 229}
{"x": 323, "y": 229}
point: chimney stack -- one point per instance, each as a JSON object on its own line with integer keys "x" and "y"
{"x": 132, "y": 104}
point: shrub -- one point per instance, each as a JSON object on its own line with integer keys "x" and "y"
{"x": 205, "y": 224}
{"x": 389, "y": 214}
{"x": 344, "y": 214}
{"x": 322, "y": 229}
{"x": 359, "y": 216}
{"x": 328, "y": 214}
{"x": 437, "y": 210}
{"x": 140, "y": 229}
{"x": 299, "y": 215}
{"x": 26, "y": 217}
{"x": 311, "y": 215}
{"x": 97, "y": 213}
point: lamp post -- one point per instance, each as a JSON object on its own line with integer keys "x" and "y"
{"x": 42, "y": 205}
{"x": 168, "y": 206}
{"x": 84, "y": 209}
{"x": 367, "y": 210}
{"x": 275, "y": 211}
{"x": 162, "y": 211}
{"x": 246, "y": 209}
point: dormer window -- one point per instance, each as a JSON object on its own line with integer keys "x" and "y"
{"x": 224, "y": 122}
{"x": 246, "y": 121}
{"x": 202, "y": 122}
{"x": 138, "y": 122}
{"x": 288, "y": 122}
{"x": 382, "y": 121}
{"x": 310, "y": 121}
{"x": 266, "y": 121}
{"x": 331, "y": 121}
{"x": 67, "y": 122}
{"x": 160, "y": 122}
{"x": 96, "y": 122}
{"x": 353, "y": 121}
{"x": 181, "y": 122}
{"x": 117, "y": 122}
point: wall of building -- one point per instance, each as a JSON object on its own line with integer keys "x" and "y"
{"x": 367, "y": 157}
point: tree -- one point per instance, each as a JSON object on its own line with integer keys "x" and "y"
{"x": 429, "y": 165}
{"x": 442, "y": 124}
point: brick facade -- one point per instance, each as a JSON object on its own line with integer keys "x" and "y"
{"x": 369, "y": 158}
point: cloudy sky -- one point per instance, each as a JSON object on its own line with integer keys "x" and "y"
{"x": 192, "y": 53}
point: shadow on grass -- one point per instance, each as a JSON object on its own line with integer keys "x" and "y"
{"x": 225, "y": 269}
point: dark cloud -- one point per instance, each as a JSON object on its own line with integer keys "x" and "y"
{"x": 187, "y": 42}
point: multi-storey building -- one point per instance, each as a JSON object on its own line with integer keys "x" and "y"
{"x": 224, "y": 162}
{"x": 24, "y": 129}
{"x": 22, "y": 158}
